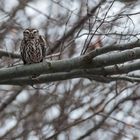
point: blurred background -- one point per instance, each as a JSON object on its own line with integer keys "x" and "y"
{"x": 71, "y": 109}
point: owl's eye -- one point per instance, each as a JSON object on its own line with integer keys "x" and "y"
{"x": 26, "y": 32}
{"x": 35, "y": 31}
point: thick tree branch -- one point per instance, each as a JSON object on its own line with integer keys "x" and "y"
{"x": 41, "y": 68}
{"x": 115, "y": 58}
{"x": 54, "y": 77}
{"x": 113, "y": 47}
{"x": 115, "y": 69}
{"x": 78, "y": 63}
{"x": 97, "y": 74}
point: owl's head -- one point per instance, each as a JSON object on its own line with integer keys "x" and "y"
{"x": 31, "y": 33}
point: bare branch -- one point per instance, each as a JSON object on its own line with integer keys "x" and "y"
{"x": 10, "y": 99}
{"x": 9, "y": 54}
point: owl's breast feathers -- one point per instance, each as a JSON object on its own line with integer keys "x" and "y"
{"x": 33, "y": 50}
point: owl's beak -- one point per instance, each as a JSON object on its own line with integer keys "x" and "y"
{"x": 31, "y": 36}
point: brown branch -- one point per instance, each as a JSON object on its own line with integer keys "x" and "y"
{"x": 10, "y": 99}
{"x": 9, "y": 54}
{"x": 75, "y": 28}
{"x": 98, "y": 125}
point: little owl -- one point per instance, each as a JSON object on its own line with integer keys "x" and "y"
{"x": 33, "y": 46}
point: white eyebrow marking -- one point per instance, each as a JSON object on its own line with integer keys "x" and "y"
{"x": 26, "y": 31}
{"x": 34, "y": 31}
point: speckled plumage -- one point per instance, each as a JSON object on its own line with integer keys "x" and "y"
{"x": 33, "y": 46}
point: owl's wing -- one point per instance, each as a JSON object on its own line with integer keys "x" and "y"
{"x": 43, "y": 45}
{"x": 22, "y": 49}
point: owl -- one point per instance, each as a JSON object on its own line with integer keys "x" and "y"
{"x": 33, "y": 46}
